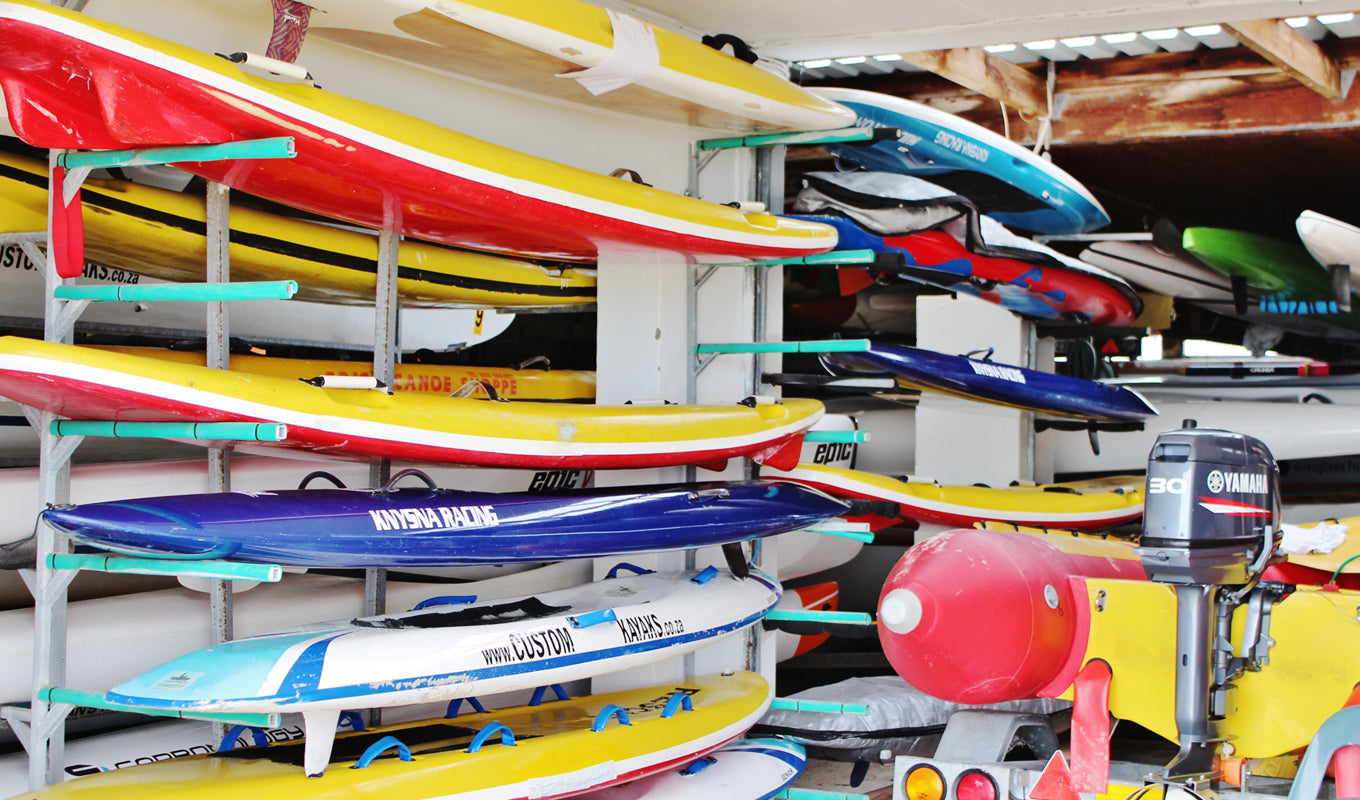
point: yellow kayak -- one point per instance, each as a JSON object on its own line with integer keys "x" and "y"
{"x": 1083, "y": 505}
{"x": 527, "y": 45}
{"x": 507, "y": 383}
{"x": 143, "y": 230}
{"x": 89, "y": 384}
{"x": 544, "y": 751}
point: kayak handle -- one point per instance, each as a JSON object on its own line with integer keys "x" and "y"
{"x": 391, "y": 485}
{"x": 234, "y": 733}
{"x": 455, "y": 705}
{"x": 507, "y": 736}
{"x": 677, "y": 702}
{"x": 708, "y": 494}
{"x": 611, "y": 710}
{"x": 614, "y": 570}
{"x": 381, "y": 746}
{"x": 591, "y": 618}
{"x": 446, "y": 600}
{"x": 469, "y": 387}
{"x": 534, "y": 362}
{"x": 320, "y": 474}
{"x": 542, "y": 690}
{"x": 699, "y": 766}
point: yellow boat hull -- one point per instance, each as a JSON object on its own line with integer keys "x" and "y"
{"x": 555, "y": 752}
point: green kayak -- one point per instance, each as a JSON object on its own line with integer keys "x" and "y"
{"x": 1270, "y": 266}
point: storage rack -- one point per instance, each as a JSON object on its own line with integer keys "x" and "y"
{"x": 40, "y": 728}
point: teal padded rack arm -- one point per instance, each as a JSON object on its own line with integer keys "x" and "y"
{"x": 274, "y": 147}
{"x": 180, "y": 292}
{"x": 819, "y": 706}
{"x": 839, "y": 437}
{"x": 223, "y": 570}
{"x": 812, "y": 346}
{"x": 840, "y": 136}
{"x": 235, "y": 431}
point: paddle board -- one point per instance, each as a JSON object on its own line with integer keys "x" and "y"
{"x": 662, "y": 75}
{"x": 1084, "y": 505}
{"x": 1040, "y": 290}
{"x": 1184, "y": 276}
{"x": 1172, "y": 274}
{"x": 985, "y": 381}
{"x": 555, "y": 749}
{"x": 1330, "y": 241}
{"x": 1012, "y": 184}
{"x": 133, "y": 229}
{"x": 355, "y": 161}
{"x": 1282, "y": 271}
{"x": 83, "y": 383}
{"x": 425, "y": 526}
{"x": 456, "y": 648}
{"x": 262, "y": 322}
{"x": 1260, "y": 387}
{"x": 1290, "y": 430}
{"x": 747, "y": 769}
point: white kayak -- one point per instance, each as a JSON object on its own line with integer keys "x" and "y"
{"x": 455, "y": 647}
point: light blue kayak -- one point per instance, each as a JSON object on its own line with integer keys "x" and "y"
{"x": 1009, "y": 183}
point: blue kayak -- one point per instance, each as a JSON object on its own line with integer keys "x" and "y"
{"x": 408, "y": 527}
{"x": 1009, "y": 183}
{"x": 989, "y": 382}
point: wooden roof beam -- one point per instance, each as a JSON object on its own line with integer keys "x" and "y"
{"x": 1286, "y": 48}
{"x": 976, "y": 69}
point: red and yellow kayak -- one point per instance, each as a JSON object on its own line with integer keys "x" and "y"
{"x": 90, "y": 384}
{"x": 355, "y": 161}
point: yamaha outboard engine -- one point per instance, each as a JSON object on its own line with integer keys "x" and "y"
{"x": 1210, "y": 526}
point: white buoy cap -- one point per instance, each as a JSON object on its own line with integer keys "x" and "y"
{"x": 900, "y": 611}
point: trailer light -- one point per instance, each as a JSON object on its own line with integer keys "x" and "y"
{"x": 923, "y": 782}
{"x": 975, "y": 785}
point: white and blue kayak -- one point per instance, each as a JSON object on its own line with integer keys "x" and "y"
{"x": 989, "y": 382}
{"x": 746, "y": 769}
{"x": 427, "y": 526}
{"x": 457, "y": 647}
{"x": 1007, "y": 182}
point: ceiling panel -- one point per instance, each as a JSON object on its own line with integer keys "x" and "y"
{"x": 803, "y": 29}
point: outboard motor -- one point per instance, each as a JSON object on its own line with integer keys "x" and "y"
{"x": 1210, "y": 527}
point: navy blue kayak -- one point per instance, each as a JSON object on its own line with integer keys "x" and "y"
{"x": 354, "y": 528}
{"x": 989, "y": 382}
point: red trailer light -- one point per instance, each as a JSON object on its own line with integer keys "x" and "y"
{"x": 975, "y": 785}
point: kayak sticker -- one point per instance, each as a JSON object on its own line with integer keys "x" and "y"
{"x": 521, "y": 647}
{"x": 406, "y": 519}
{"x": 177, "y": 681}
{"x": 958, "y": 144}
{"x": 996, "y": 371}
{"x": 648, "y": 627}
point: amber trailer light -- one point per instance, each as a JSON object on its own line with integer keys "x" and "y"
{"x": 975, "y": 785}
{"x": 924, "y": 782}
